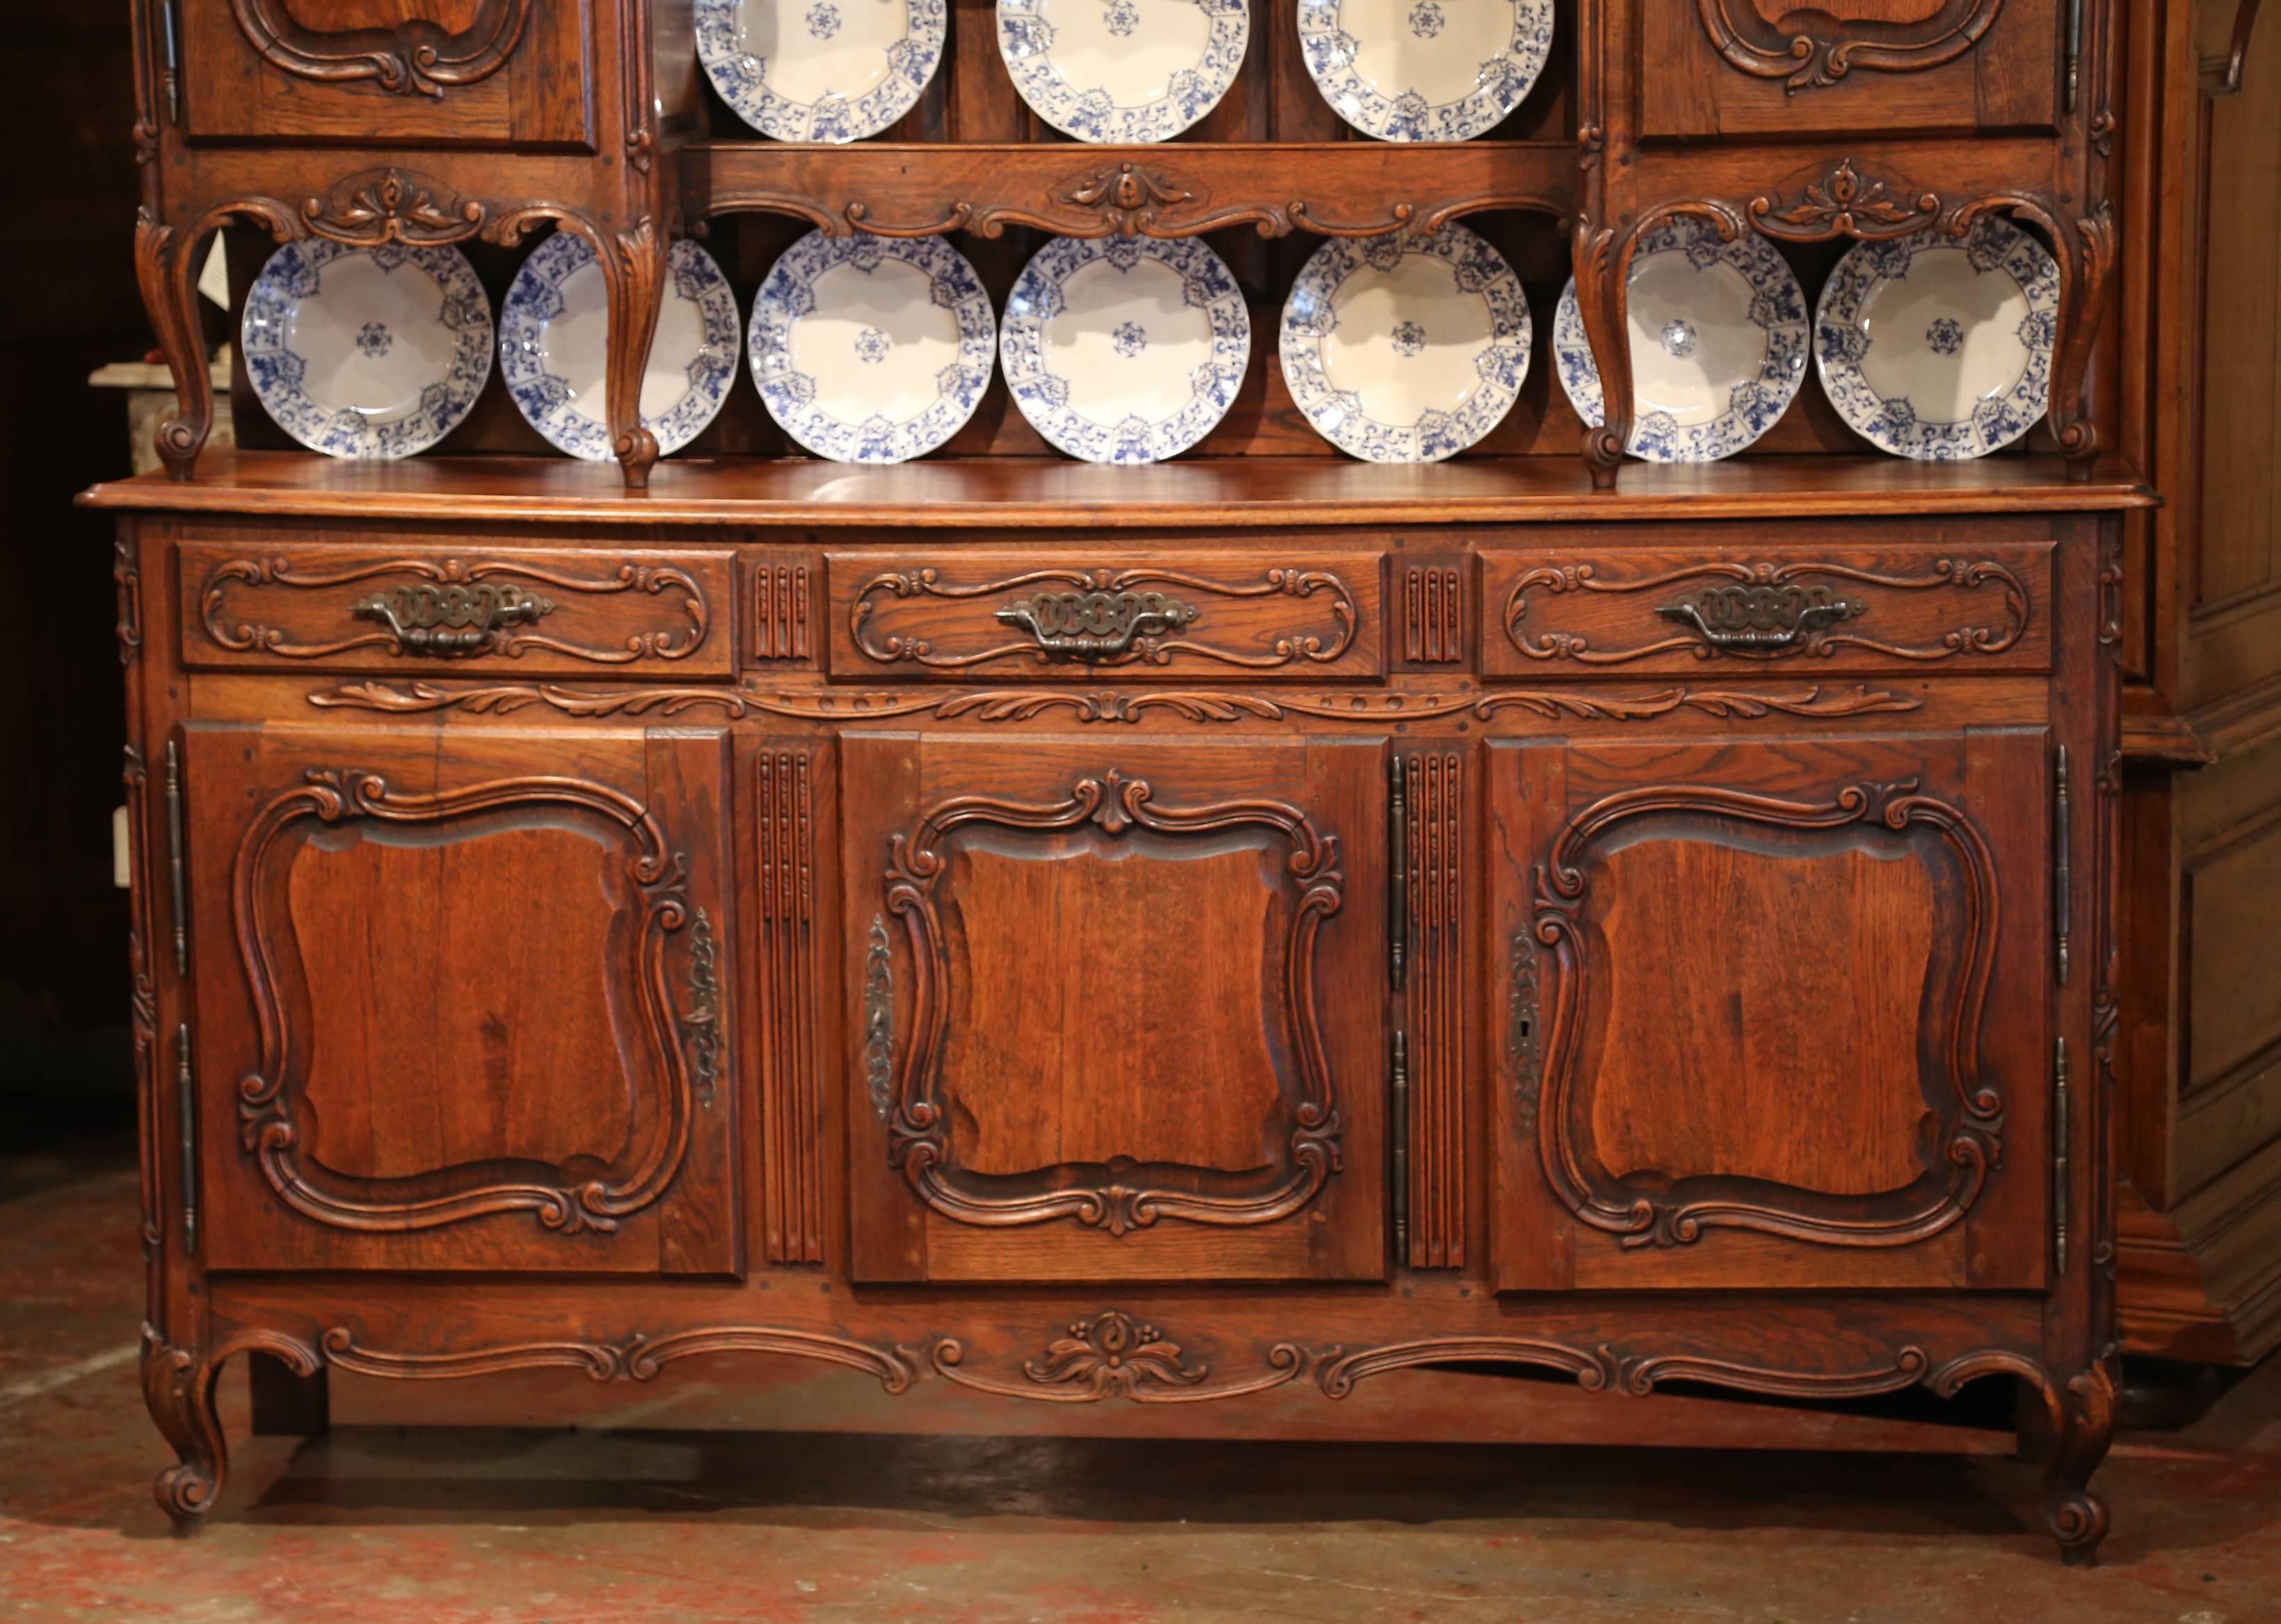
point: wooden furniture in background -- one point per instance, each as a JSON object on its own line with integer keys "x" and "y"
{"x": 600, "y": 927}
{"x": 2201, "y": 368}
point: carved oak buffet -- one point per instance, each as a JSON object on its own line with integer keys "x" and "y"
{"x": 1154, "y": 935}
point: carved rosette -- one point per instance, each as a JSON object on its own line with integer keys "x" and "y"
{"x": 392, "y": 206}
{"x": 919, "y": 1131}
{"x": 1844, "y": 203}
{"x": 1114, "y": 1356}
{"x": 1676, "y": 1212}
{"x": 268, "y": 1097}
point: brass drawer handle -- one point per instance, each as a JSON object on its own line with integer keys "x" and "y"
{"x": 1760, "y": 618}
{"x": 451, "y": 621}
{"x": 1097, "y": 625}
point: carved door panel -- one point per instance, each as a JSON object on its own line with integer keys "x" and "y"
{"x": 1767, "y": 67}
{"x": 463, "y": 1008}
{"x": 1117, "y": 1008}
{"x": 384, "y": 72}
{"x": 1773, "y": 1014}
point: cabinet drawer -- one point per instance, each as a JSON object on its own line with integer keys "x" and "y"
{"x": 1580, "y": 610}
{"x": 1194, "y": 614}
{"x": 251, "y": 604}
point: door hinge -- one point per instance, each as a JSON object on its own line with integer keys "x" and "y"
{"x": 1397, "y": 869}
{"x": 176, "y": 877}
{"x": 186, "y": 1097}
{"x": 2062, "y": 863}
{"x": 1400, "y": 1138}
{"x": 2074, "y": 51}
{"x": 2060, "y": 1182}
{"x": 174, "y": 71}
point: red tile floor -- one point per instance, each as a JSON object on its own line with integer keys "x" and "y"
{"x": 630, "y": 1518}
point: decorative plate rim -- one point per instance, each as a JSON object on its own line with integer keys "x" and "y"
{"x": 955, "y": 287}
{"x": 544, "y": 398}
{"x": 1839, "y": 344}
{"x": 1328, "y": 51}
{"x": 445, "y": 403}
{"x": 742, "y": 78}
{"x": 1655, "y": 436}
{"x": 1502, "y": 363}
{"x": 1031, "y": 382}
{"x": 1076, "y": 112}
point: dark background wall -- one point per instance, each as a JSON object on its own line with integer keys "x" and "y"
{"x": 67, "y": 304}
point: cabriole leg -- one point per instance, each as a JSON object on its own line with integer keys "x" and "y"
{"x": 2084, "y": 1426}
{"x": 635, "y": 264}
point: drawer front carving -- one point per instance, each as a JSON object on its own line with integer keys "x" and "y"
{"x": 470, "y": 1016}
{"x": 1750, "y": 1033}
{"x": 350, "y": 608}
{"x": 1639, "y": 610}
{"x": 1180, "y": 616}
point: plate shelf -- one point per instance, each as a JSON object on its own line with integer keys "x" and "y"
{"x": 1333, "y": 188}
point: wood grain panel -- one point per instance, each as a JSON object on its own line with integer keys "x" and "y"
{"x": 1707, "y": 1048}
{"x": 404, "y": 964}
{"x": 2231, "y": 912}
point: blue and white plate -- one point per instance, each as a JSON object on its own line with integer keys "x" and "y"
{"x": 1939, "y": 347}
{"x": 555, "y": 347}
{"x": 1123, "y": 70}
{"x": 820, "y": 70}
{"x": 1125, "y": 349}
{"x": 1718, "y": 335}
{"x": 1403, "y": 350}
{"x": 871, "y": 349}
{"x": 366, "y": 352}
{"x": 1425, "y": 70}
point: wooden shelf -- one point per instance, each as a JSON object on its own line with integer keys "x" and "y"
{"x": 1344, "y": 188}
{"x": 1004, "y": 493}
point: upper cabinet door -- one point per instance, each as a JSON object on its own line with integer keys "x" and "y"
{"x": 383, "y": 73}
{"x": 1773, "y": 1014}
{"x": 1117, "y": 1009}
{"x": 461, "y": 1009}
{"x": 1767, "y": 67}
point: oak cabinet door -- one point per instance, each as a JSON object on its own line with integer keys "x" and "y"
{"x": 1772, "y": 1014}
{"x": 1769, "y": 68}
{"x": 1118, "y": 1009}
{"x": 461, "y": 1009}
{"x": 385, "y": 72}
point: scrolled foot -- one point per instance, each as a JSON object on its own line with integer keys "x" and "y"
{"x": 2078, "y": 1517}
